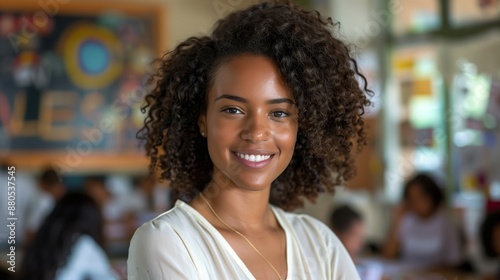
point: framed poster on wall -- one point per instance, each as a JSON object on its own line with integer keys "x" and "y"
{"x": 73, "y": 75}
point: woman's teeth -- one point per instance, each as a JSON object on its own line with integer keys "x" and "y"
{"x": 253, "y": 158}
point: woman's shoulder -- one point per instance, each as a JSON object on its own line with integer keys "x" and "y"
{"x": 170, "y": 221}
{"x": 165, "y": 233}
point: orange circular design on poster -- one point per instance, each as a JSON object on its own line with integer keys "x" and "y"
{"x": 93, "y": 56}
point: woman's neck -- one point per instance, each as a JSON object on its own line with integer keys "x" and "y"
{"x": 242, "y": 209}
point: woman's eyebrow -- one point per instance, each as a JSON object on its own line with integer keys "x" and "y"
{"x": 243, "y": 100}
{"x": 280, "y": 100}
{"x": 232, "y": 97}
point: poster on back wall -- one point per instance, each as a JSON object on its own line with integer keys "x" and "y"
{"x": 74, "y": 80}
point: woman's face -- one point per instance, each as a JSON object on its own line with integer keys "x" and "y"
{"x": 419, "y": 202}
{"x": 250, "y": 123}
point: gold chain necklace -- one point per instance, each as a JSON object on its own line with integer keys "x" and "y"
{"x": 240, "y": 234}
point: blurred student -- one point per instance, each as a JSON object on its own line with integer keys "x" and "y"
{"x": 68, "y": 245}
{"x": 50, "y": 190}
{"x": 349, "y": 227}
{"x": 490, "y": 240}
{"x": 95, "y": 187}
{"x": 422, "y": 233}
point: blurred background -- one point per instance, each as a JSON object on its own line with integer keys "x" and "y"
{"x": 73, "y": 74}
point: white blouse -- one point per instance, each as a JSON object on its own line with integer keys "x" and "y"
{"x": 182, "y": 244}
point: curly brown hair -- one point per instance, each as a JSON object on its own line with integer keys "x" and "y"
{"x": 315, "y": 65}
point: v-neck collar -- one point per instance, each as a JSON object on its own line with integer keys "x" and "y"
{"x": 284, "y": 225}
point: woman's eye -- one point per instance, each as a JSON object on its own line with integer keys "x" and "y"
{"x": 280, "y": 114}
{"x": 232, "y": 111}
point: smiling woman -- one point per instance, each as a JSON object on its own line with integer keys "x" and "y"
{"x": 246, "y": 123}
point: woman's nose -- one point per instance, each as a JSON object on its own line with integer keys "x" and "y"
{"x": 256, "y": 128}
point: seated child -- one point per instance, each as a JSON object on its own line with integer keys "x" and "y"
{"x": 348, "y": 225}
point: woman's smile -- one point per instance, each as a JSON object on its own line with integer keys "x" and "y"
{"x": 254, "y": 158}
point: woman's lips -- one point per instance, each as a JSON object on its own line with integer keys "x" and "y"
{"x": 254, "y": 160}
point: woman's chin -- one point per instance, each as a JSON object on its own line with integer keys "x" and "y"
{"x": 252, "y": 185}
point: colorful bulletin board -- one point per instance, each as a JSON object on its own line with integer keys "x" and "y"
{"x": 72, "y": 79}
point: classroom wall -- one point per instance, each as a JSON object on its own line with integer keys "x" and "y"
{"x": 184, "y": 18}
{"x": 187, "y": 18}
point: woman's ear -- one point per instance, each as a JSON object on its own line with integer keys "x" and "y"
{"x": 202, "y": 124}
